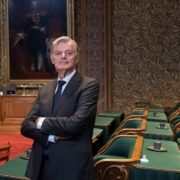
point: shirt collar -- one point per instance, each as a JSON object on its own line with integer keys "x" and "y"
{"x": 68, "y": 77}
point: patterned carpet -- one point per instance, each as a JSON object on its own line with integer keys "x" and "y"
{"x": 19, "y": 144}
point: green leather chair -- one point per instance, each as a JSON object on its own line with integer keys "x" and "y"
{"x": 138, "y": 112}
{"x": 173, "y": 109}
{"x": 115, "y": 158}
{"x": 131, "y": 126}
{"x": 174, "y": 121}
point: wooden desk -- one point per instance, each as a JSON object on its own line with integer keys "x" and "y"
{"x": 161, "y": 165}
{"x": 97, "y": 132}
{"x": 97, "y": 139}
{"x": 14, "y": 170}
{"x": 118, "y": 116}
{"x": 159, "y": 117}
{"x": 153, "y": 131}
{"x": 13, "y": 109}
{"x": 107, "y": 124}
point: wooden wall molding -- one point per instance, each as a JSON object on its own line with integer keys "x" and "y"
{"x": 3, "y": 39}
{"x": 91, "y": 34}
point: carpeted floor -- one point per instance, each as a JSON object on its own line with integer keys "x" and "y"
{"x": 19, "y": 144}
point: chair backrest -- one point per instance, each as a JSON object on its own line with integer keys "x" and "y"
{"x": 131, "y": 126}
{"x": 177, "y": 133}
{"x": 176, "y": 127}
{"x": 5, "y": 152}
{"x": 121, "y": 147}
{"x": 173, "y": 109}
{"x": 174, "y": 114}
{"x": 174, "y": 121}
{"x": 138, "y": 112}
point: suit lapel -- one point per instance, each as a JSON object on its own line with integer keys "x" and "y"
{"x": 71, "y": 87}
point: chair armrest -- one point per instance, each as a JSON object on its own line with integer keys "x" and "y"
{"x": 107, "y": 169}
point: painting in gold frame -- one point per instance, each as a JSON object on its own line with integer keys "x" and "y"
{"x": 27, "y": 29}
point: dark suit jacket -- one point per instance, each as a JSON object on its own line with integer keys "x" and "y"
{"x": 69, "y": 159}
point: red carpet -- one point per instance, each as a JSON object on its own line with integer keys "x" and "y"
{"x": 19, "y": 143}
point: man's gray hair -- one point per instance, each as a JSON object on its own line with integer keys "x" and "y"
{"x": 65, "y": 39}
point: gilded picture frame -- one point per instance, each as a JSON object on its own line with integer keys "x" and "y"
{"x": 22, "y": 61}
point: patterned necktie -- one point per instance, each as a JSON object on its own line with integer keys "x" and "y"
{"x": 57, "y": 94}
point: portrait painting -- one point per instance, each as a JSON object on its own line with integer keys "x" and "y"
{"x": 33, "y": 25}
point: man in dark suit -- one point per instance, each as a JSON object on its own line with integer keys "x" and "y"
{"x": 62, "y": 130}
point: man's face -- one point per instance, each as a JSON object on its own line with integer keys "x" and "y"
{"x": 64, "y": 57}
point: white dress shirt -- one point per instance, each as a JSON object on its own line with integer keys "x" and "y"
{"x": 42, "y": 119}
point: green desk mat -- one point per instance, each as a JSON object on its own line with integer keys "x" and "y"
{"x": 160, "y": 117}
{"x": 119, "y": 116}
{"x": 138, "y": 112}
{"x": 13, "y": 169}
{"x": 161, "y": 165}
{"x": 153, "y": 132}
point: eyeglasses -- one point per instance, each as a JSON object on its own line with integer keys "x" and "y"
{"x": 67, "y": 53}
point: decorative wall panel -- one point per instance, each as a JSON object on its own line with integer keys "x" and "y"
{"x": 95, "y": 44}
{"x": 145, "y": 52}
{"x": 91, "y": 35}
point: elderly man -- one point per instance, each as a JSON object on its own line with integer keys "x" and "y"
{"x": 61, "y": 120}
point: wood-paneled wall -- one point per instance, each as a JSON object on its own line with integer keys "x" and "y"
{"x": 132, "y": 47}
{"x": 145, "y": 52}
